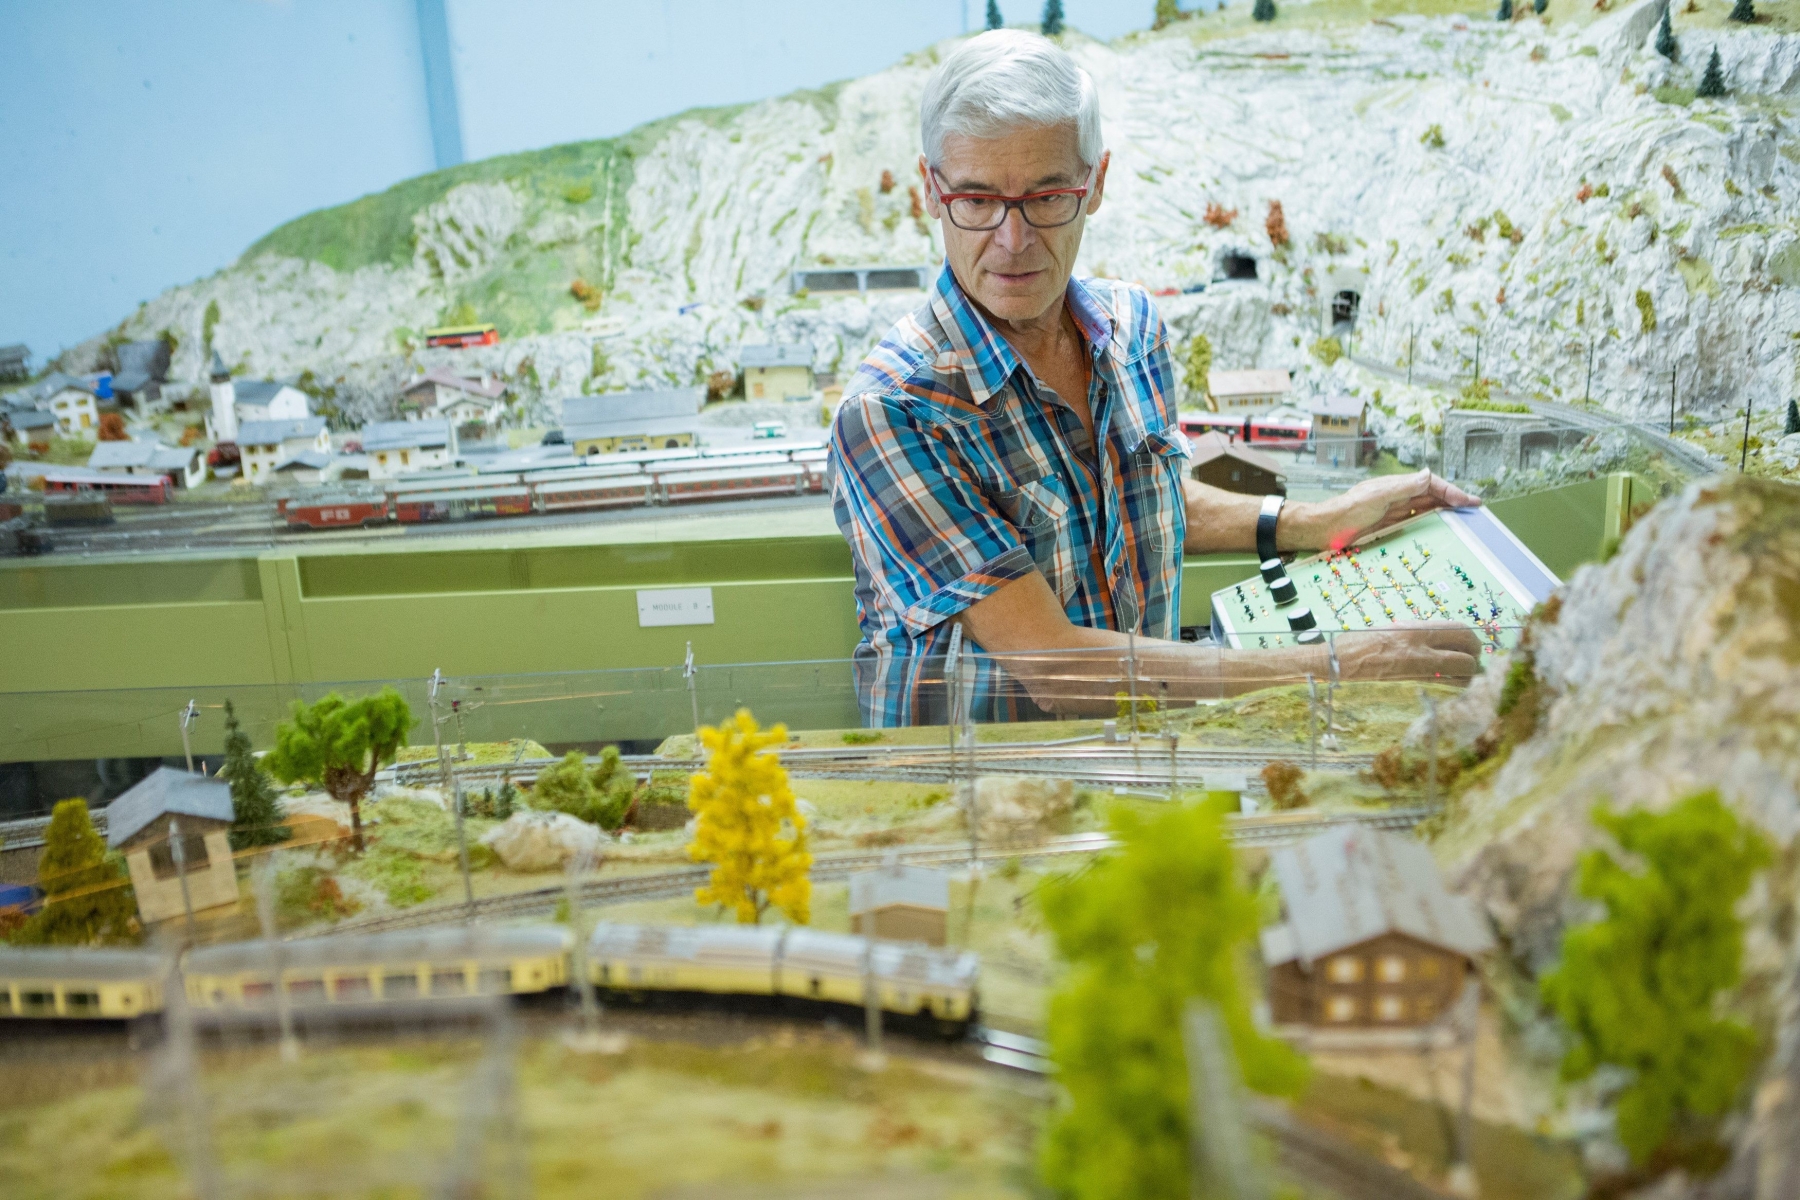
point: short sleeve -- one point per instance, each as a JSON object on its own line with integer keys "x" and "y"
{"x": 928, "y": 539}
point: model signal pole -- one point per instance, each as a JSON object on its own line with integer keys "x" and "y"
{"x": 1744, "y": 457}
{"x": 451, "y": 788}
{"x": 179, "y": 854}
{"x": 187, "y": 718}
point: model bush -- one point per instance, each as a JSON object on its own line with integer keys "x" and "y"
{"x": 994, "y": 19}
{"x": 1167, "y": 13}
{"x": 1540, "y": 6}
{"x": 1218, "y": 216}
{"x": 1276, "y": 224}
{"x": 1328, "y": 350}
{"x": 1646, "y": 312}
{"x": 600, "y": 796}
{"x": 1198, "y": 367}
{"x": 1432, "y": 138}
{"x": 1263, "y": 11}
{"x": 1665, "y": 36}
{"x": 257, "y": 818}
{"x": 339, "y": 744}
{"x": 87, "y": 898}
{"x": 1143, "y": 931}
{"x": 1638, "y": 989}
{"x": 1283, "y": 781}
{"x": 1793, "y": 418}
{"x": 747, "y": 825}
{"x": 1712, "y": 83}
{"x": 1506, "y": 11}
{"x": 1743, "y": 11}
{"x": 1053, "y": 18}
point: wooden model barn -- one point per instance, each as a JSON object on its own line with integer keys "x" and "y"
{"x": 1224, "y": 463}
{"x": 137, "y": 823}
{"x": 900, "y": 903}
{"x": 1372, "y": 939}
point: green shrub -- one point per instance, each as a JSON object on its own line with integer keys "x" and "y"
{"x": 1328, "y": 350}
{"x": 579, "y": 193}
{"x": 1646, "y": 312}
{"x": 1432, "y": 138}
{"x": 599, "y": 797}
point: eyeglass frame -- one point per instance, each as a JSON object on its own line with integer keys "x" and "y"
{"x": 1009, "y": 203}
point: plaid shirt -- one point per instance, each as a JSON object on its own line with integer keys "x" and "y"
{"x": 954, "y": 472}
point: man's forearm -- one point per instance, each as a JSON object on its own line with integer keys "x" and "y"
{"x": 1088, "y": 681}
{"x": 1221, "y": 522}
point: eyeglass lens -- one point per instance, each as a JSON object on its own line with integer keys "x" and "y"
{"x": 1042, "y": 212}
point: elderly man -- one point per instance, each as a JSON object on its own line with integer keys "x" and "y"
{"x": 1008, "y": 457}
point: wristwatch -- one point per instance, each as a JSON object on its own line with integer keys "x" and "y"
{"x": 1265, "y": 527}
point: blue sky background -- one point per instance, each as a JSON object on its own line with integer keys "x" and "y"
{"x": 148, "y": 144}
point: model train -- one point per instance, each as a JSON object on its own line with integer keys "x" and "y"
{"x": 1288, "y": 429}
{"x": 787, "y": 965}
{"x": 638, "y": 482}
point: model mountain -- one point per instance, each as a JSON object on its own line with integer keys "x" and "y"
{"x": 1541, "y": 185}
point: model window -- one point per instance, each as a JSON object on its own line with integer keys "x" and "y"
{"x": 400, "y": 985}
{"x": 81, "y": 1004}
{"x": 257, "y": 991}
{"x": 351, "y": 987}
{"x": 1345, "y": 968}
{"x": 496, "y": 981}
{"x": 451, "y": 982}
{"x": 1425, "y": 1007}
{"x": 1340, "y": 1008}
{"x": 86, "y": 420}
{"x": 35, "y": 1003}
{"x": 306, "y": 990}
{"x": 1390, "y": 1008}
{"x": 1390, "y": 968}
{"x": 6, "y": 1001}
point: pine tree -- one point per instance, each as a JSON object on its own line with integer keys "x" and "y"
{"x": 1712, "y": 84}
{"x": 257, "y": 818}
{"x": 1793, "y": 418}
{"x": 1665, "y": 36}
{"x": 1264, "y": 10}
{"x": 87, "y": 898}
{"x": 1053, "y": 18}
{"x": 1637, "y": 989}
{"x": 747, "y": 825}
{"x": 1506, "y": 11}
{"x": 1161, "y": 921}
{"x": 1744, "y": 11}
{"x": 994, "y": 19}
{"x": 1167, "y": 13}
{"x": 1539, "y": 6}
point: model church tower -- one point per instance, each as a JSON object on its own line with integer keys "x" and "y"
{"x": 224, "y": 402}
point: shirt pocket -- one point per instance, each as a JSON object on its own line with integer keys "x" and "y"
{"x": 1155, "y": 498}
{"x": 1039, "y": 510}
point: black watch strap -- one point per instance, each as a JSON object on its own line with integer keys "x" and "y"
{"x": 1265, "y": 527}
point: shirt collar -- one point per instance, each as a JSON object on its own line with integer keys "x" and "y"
{"x": 987, "y": 360}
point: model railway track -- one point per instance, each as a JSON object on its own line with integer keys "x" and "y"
{"x": 1254, "y": 830}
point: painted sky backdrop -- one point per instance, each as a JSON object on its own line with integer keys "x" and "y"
{"x": 148, "y": 144}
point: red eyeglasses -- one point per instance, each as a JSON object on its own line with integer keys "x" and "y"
{"x": 979, "y": 211}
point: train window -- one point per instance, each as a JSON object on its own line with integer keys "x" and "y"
{"x": 817, "y": 986}
{"x": 34, "y": 1004}
{"x": 351, "y": 987}
{"x": 311, "y": 990}
{"x": 257, "y": 991}
{"x": 449, "y": 982}
{"x": 496, "y": 981}
{"x": 400, "y": 985}
{"x": 605, "y": 973}
{"x": 81, "y": 1004}
{"x": 6, "y": 1002}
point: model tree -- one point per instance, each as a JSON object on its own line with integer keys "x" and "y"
{"x": 339, "y": 744}
{"x": 1167, "y": 13}
{"x": 747, "y": 825}
{"x": 1506, "y": 11}
{"x": 87, "y": 898}
{"x": 994, "y": 19}
{"x": 1264, "y": 10}
{"x": 1540, "y": 6}
{"x": 1198, "y": 367}
{"x": 1793, "y": 418}
{"x": 1665, "y": 37}
{"x": 1636, "y": 990}
{"x": 257, "y": 818}
{"x": 1744, "y": 11}
{"x": 1053, "y": 18}
{"x": 600, "y": 796}
{"x": 1276, "y": 224}
{"x": 1712, "y": 84}
{"x": 1143, "y": 932}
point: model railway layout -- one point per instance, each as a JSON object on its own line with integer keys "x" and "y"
{"x": 1461, "y": 565}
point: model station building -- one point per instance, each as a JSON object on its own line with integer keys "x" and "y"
{"x": 653, "y": 420}
{"x": 1340, "y": 431}
{"x": 137, "y": 825}
{"x": 405, "y": 447}
{"x": 777, "y": 372}
{"x": 1371, "y": 937}
{"x": 1246, "y": 392}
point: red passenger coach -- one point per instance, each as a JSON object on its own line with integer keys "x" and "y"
{"x": 617, "y": 491}
{"x": 120, "y": 489}
{"x": 1284, "y": 431}
{"x": 413, "y": 508}
{"x": 788, "y": 480}
{"x": 336, "y": 512}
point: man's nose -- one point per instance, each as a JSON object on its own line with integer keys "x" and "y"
{"x": 1014, "y": 235}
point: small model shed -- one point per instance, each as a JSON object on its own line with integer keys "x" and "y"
{"x": 652, "y": 420}
{"x": 1223, "y": 463}
{"x": 1372, "y": 938}
{"x": 900, "y": 903}
{"x": 779, "y": 372}
{"x": 137, "y": 824}
{"x": 33, "y": 427}
{"x": 265, "y": 445}
{"x": 1247, "y": 391}
{"x": 405, "y": 447}
{"x": 1340, "y": 431}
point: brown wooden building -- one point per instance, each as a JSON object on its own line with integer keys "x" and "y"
{"x": 900, "y": 903}
{"x": 1223, "y": 463}
{"x": 1371, "y": 939}
{"x": 137, "y": 825}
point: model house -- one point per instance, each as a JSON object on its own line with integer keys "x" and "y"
{"x": 444, "y": 395}
{"x": 1340, "y": 431}
{"x": 33, "y": 427}
{"x": 900, "y": 903}
{"x": 404, "y": 447}
{"x": 1371, "y": 937}
{"x": 265, "y": 445}
{"x": 658, "y": 420}
{"x": 1223, "y": 463}
{"x": 73, "y": 402}
{"x": 143, "y": 367}
{"x": 138, "y": 825}
{"x": 1247, "y": 391}
{"x": 308, "y": 466}
{"x": 777, "y": 372}
{"x": 270, "y": 400}
{"x": 185, "y": 466}
{"x": 15, "y": 362}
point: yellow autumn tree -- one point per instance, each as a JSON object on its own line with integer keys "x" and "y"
{"x": 747, "y": 826}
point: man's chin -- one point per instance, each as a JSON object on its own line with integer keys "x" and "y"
{"x": 1021, "y": 301}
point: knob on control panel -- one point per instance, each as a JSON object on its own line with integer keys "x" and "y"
{"x": 1273, "y": 569}
{"x": 1283, "y": 590}
{"x": 1301, "y": 621}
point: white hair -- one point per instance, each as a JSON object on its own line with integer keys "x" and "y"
{"x": 1007, "y": 79}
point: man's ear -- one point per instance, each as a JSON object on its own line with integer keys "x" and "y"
{"x": 1094, "y": 193}
{"x": 932, "y": 207}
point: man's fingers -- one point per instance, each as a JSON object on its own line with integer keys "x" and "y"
{"x": 1449, "y": 495}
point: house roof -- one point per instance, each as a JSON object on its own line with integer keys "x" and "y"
{"x": 404, "y": 435}
{"x": 1339, "y": 405}
{"x": 57, "y": 381}
{"x": 257, "y": 391}
{"x": 491, "y": 390}
{"x": 632, "y": 406}
{"x": 151, "y": 358}
{"x": 1351, "y": 883}
{"x": 895, "y": 883}
{"x": 166, "y": 792}
{"x": 127, "y": 454}
{"x": 306, "y": 460}
{"x": 1213, "y": 444}
{"x": 216, "y": 370}
{"x": 132, "y": 381}
{"x": 173, "y": 458}
{"x": 271, "y": 433}
{"x": 1247, "y": 383}
{"x": 648, "y": 427}
{"x": 31, "y": 418}
{"x": 15, "y": 352}
{"x": 790, "y": 354}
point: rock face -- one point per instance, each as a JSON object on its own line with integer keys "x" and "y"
{"x": 542, "y": 841}
{"x": 1015, "y": 801}
{"x": 1671, "y": 668}
{"x": 1548, "y": 186}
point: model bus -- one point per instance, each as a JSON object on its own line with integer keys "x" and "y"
{"x": 457, "y": 336}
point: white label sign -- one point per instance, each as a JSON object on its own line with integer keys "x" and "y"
{"x": 675, "y": 606}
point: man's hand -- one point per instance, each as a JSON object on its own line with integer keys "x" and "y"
{"x": 1371, "y": 505}
{"x": 1440, "y": 650}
